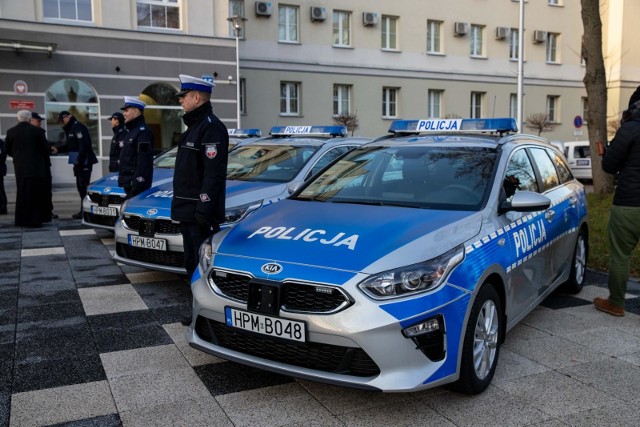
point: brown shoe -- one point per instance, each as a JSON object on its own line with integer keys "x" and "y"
{"x": 603, "y": 304}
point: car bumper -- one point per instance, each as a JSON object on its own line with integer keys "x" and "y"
{"x": 91, "y": 217}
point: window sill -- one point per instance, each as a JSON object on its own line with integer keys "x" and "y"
{"x": 288, "y": 42}
{"x": 76, "y": 22}
{"x": 390, "y": 50}
{"x": 290, "y": 115}
{"x": 553, "y": 63}
{"x": 160, "y": 30}
{"x": 389, "y": 117}
{"x": 339, "y": 46}
{"x": 436, "y": 53}
{"x": 478, "y": 57}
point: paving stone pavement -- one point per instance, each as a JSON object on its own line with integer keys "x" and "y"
{"x": 85, "y": 341}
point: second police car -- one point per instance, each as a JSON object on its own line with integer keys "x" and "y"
{"x": 258, "y": 173}
{"x": 402, "y": 265}
{"x": 101, "y": 206}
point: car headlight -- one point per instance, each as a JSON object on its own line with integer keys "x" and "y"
{"x": 123, "y": 207}
{"x": 236, "y": 213}
{"x": 206, "y": 254}
{"x": 412, "y": 279}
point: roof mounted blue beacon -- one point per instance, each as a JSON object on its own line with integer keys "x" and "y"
{"x": 323, "y": 131}
{"x": 499, "y": 125}
{"x": 244, "y": 133}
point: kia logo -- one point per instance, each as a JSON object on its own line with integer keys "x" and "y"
{"x": 272, "y": 268}
{"x": 106, "y": 190}
{"x": 152, "y": 212}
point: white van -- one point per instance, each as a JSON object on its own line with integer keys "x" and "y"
{"x": 579, "y": 157}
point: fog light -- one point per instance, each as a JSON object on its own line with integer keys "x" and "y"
{"x": 429, "y": 337}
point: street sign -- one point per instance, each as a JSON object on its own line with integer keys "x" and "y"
{"x": 577, "y": 121}
{"x": 22, "y": 104}
{"x": 577, "y": 132}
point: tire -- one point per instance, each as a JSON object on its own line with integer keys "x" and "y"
{"x": 482, "y": 340}
{"x": 575, "y": 283}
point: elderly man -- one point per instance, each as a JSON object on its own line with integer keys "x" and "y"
{"x": 136, "y": 155}
{"x": 30, "y": 151}
{"x": 47, "y": 211}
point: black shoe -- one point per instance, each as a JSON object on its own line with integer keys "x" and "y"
{"x": 77, "y": 216}
{"x": 186, "y": 321}
{"x": 54, "y": 216}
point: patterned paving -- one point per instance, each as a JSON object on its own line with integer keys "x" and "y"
{"x": 87, "y": 342}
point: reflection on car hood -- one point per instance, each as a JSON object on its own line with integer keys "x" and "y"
{"x": 345, "y": 236}
{"x": 109, "y": 182}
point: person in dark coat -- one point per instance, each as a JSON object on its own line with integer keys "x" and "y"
{"x": 199, "y": 180}
{"x": 119, "y": 132}
{"x": 81, "y": 155}
{"x": 622, "y": 158}
{"x": 30, "y": 151}
{"x": 136, "y": 155}
{"x": 47, "y": 211}
{"x": 3, "y": 173}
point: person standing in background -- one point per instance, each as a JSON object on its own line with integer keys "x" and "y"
{"x": 136, "y": 155}
{"x": 119, "y": 132}
{"x": 30, "y": 151}
{"x": 47, "y": 209}
{"x": 3, "y": 173}
{"x": 81, "y": 155}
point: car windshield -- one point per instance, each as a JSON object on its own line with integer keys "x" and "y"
{"x": 166, "y": 159}
{"x": 269, "y": 163}
{"x": 428, "y": 177}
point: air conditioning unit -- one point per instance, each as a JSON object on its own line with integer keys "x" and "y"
{"x": 460, "y": 28}
{"x": 369, "y": 18}
{"x": 502, "y": 33}
{"x": 318, "y": 13}
{"x": 539, "y": 36}
{"x": 264, "y": 8}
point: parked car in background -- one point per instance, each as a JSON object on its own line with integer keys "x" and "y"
{"x": 259, "y": 173}
{"x": 402, "y": 265}
{"x": 578, "y": 154}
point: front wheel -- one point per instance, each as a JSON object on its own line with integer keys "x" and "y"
{"x": 481, "y": 346}
{"x": 578, "y": 265}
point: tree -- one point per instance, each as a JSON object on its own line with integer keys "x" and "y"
{"x": 348, "y": 120}
{"x": 595, "y": 82}
{"x": 540, "y": 123}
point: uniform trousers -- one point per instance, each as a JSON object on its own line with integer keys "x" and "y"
{"x": 30, "y": 197}
{"x": 624, "y": 233}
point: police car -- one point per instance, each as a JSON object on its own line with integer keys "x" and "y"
{"x": 402, "y": 265}
{"x": 101, "y": 207}
{"x": 258, "y": 173}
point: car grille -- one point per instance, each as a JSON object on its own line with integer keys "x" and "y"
{"x": 168, "y": 258}
{"x": 163, "y": 226}
{"x": 317, "y": 356}
{"x": 100, "y": 219}
{"x": 297, "y": 297}
{"x": 106, "y": 199}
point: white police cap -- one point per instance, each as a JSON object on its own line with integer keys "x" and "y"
{"x": 188, "y": 83}
{"x": 130, "y": 101}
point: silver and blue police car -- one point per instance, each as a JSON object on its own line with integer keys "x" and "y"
{"x": 402, "y": 265}
{"x": 258, "y": 173}
{"x": 101, "y": 206}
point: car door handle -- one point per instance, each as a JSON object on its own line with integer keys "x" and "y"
{"x": 549, "y": 215}
{"x": 573, "y": 201}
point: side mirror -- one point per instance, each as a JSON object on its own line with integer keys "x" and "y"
{"x": 526, "y": 201}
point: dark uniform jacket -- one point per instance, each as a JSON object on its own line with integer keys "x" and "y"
{"x": 136, "y": 157}
{"x": 117, "y": 142}
{"x": 3, "y": 159}
{"x": 199, "y": 181}
{"x": 78, "y": 141}
{"x": 623, "y": 157}
{"x": 30, "y": 150}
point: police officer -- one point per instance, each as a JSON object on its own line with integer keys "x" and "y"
{"x": 119, "y": 131}
{"x": 81, "y": 155}
{"x": 136, "y": 155}
{"x": 199, "y": 180}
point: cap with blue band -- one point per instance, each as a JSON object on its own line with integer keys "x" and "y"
{"x": 130, "y": 101}
{"x": 189, "y": 83}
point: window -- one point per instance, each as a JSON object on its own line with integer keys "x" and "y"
{"x": 552, "y": 108}
{"x": 341, "y": 28}
{"x": 434, "y": 97}
{"x": 288, "y": 24}
{"x": 476, "y": 105}
{"x": 519, "y": 175}
{"x": 554, "y": 3}
{"x": 513, "y": 44}
{"x": 548, "y": 174}
{"x": 158, "y": 14}
{"x": 434, "y": 35}
{"x": 513, "y": 105}
{"x": 477, "y": 35}
{"x": 73, "y": 10}
{"x": 564, "y": 173}
{"x": 389, "y": 102}
{"x": 243, "y": 94}
{"x": 389, "y": 35}
{"x": 341, "y": 99}
{"x": 585, "y": 109}
{"x": 552, "y": 47}
{"x": 289, "y": 99}
{"x": 236, "y": 8}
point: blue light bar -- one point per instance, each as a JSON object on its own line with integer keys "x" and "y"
{"x": 309, "y": 130}
{"x": 454, "y": 125}
{"x": 244, "y": 133}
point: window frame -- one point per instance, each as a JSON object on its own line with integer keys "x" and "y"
{"x": 552, "y": 54}
{"x": 389, "y": 104}
{"x": 552, "y": 108}
{"x": 386, "y": 35}
{"x": 160, "y": 3}
{"x": 434, "y": 37}
{"x": 476, "y": 41}
{"x": 70, "y": 20}
{"x": 340, "y": 92}
{"x": 434, "y": 102}
{"x": 290, "y": 99}
{"x": 514, "y": 41}
{"x": 475, "y": 105}
{"x": 339, "y": 31}
{"x": 287, "y": 34}
{"x": 513, "y": 104}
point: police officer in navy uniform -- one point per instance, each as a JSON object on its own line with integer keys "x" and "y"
{"x": 199, "y": 180}
{"x": 81, "y": 155}
{"x": 136, "y": 155}
{"x": 119, "y": 132}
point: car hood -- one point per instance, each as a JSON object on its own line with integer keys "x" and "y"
{"x": 346, "y": 236}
